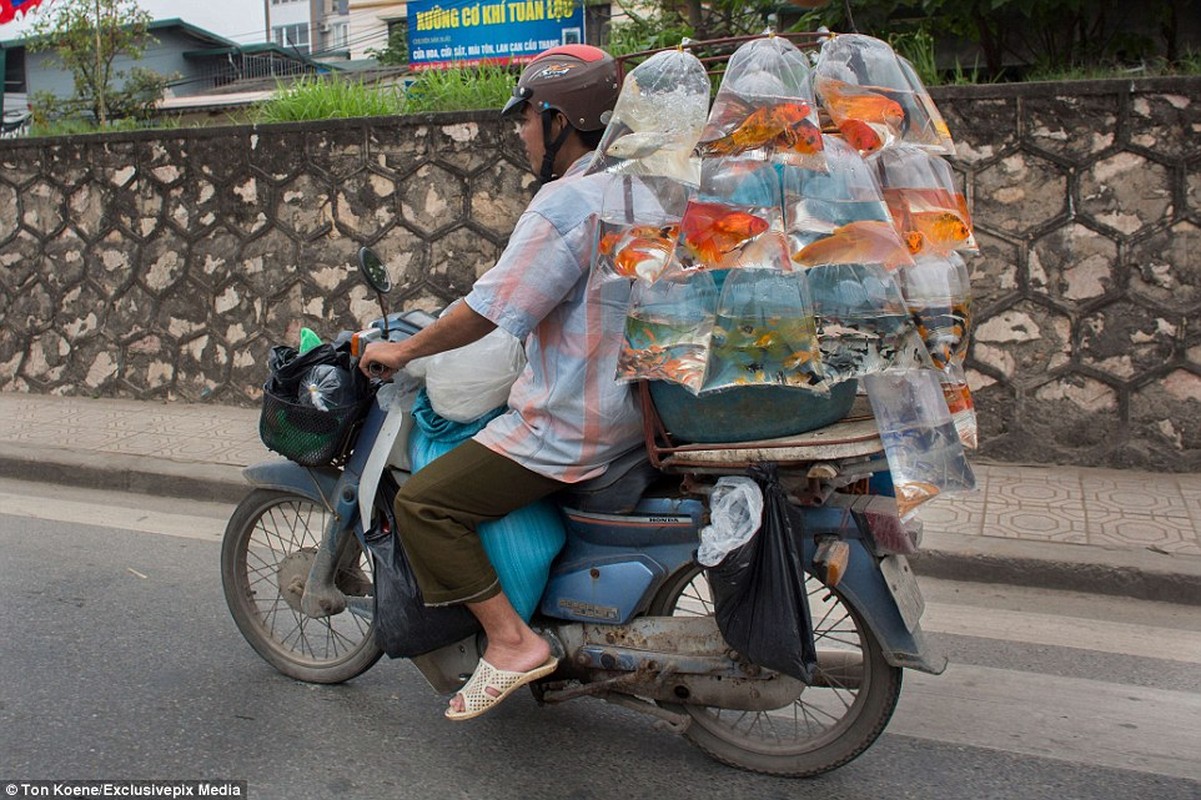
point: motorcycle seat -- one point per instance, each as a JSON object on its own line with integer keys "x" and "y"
{"x": 615, "y": 491}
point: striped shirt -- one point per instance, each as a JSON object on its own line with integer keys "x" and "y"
{"x": 568, "y": 417}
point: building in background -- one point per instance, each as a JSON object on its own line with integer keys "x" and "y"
{"x": 372, "y": 22}
{"x": 316, "y": 28}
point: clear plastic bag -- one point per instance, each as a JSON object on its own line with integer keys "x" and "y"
{"x": 840, "y": 216}
{"x": 864, "y": 325}
{"x": 925, "y": 456}
{"x": 938, "y": 296}
{"x": 326, "y": 387}
{"x": 927, "y": 208}
{"x": 668, "y": 328}
{"x": 873, "y": 99}
{"x": 735, "y": 514}
{"x": 764, "y": 108}
{"x": 639, "y": 227}
{"x": 657, "y": 120}
{"x": 765, "y": 332}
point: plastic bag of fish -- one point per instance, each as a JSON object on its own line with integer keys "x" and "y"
{"x": 657, "y": 120}
{"x": 764, "y": 108}
{"x": 765, "y": 332}
{"x": 938, "y": 296}
{"x": 839, "y": 216}
{"x": 639, "y": 227}
{"x": 874, "y": 97}
{"x": 928, "y": 210}
{"x": 925, "y": 456}
{"x": 668, "y": 328}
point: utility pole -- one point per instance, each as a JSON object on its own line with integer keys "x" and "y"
{"x": 101, "y": 111}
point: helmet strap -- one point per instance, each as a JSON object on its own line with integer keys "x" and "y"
{"x": 550, "y": 148}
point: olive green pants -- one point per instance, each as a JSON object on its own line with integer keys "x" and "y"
{"x": 440, "y": 507}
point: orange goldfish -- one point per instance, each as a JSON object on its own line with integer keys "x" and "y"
{"x": 712, "y": 231}
{"x": 938, "y": 230}
{"x": 646, "y": 251}
{"x": 848, "y": 101}
{"x": 764, "y": 126}
{"x": 860, "y": 135}
{"x": 806, "y": 138}
{"x": 866, "y": 241}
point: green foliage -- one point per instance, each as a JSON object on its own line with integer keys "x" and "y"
{"x": 315, "y": 97}
{"x": 459, "y": 89}
{"x": 396, "y": 52}
{"x": 664, "y": 23}
{"x": 1019, "y": 38}
{"x": 87, "y": 36}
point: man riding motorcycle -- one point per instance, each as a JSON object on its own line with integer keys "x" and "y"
{"x": 567, "y": 418}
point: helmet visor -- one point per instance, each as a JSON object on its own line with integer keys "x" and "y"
{"x": 521, "y": 96}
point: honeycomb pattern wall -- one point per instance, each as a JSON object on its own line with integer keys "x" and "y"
{"x": 1087, "y": 293}
{"x": 164, "y": 265}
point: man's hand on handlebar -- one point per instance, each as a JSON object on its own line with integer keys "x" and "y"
{"x": 381, "y": 360}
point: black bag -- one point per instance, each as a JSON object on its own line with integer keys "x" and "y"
{"x": 762, "y": 607}
{"x": 291, "y": 424}
{"x": 404, "y": 625}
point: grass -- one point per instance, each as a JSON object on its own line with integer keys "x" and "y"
{"x": 311, "y": 98}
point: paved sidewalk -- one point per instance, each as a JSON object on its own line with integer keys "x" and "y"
{"x": 1110, "y": 531}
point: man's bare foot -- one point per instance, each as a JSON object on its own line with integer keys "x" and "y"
{"x": 530, "y": 652}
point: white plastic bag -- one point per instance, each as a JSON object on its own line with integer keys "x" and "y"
{"x": 735, "y": 514}
{"x": 465, "y": 383}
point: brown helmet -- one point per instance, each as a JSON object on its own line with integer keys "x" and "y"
{"x": 578, "y": 80}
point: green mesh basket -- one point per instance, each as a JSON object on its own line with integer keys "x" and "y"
{"x": 307, "y": 435}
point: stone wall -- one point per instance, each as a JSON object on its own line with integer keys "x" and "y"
{"x": 164, "y": 265}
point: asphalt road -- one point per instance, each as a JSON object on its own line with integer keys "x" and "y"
{"x": 120, "y": 661}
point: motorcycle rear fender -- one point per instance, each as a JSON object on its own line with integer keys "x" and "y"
{"x": 864, "y": 587}
{"x": 315, "y": 483}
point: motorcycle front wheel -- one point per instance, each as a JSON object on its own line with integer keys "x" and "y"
{"x": 269, "y": 545}
{"x": 831, "y": 721}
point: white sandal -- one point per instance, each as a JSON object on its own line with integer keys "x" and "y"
{"x": 476, "y": 697}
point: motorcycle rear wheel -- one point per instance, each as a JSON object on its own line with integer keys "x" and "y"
{"x": 271, "y": 538}
{"x": 826, "y": 726}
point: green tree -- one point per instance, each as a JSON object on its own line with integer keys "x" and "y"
{"x": 87, "y": 36}
{"x": 396, "y": 52}
{"x": 663, "y": 23}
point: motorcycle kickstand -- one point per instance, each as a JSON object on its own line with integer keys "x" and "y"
{"x": 665, "y": 720}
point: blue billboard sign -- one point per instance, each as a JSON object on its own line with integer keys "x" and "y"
{"x": 465, "y": 32}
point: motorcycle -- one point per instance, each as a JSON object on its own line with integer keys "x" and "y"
{"x": 627, "y": 607}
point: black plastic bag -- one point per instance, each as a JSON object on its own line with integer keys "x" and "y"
{"x": 290, "y": 372}
{"x": 404, "y": 625}
{"x": 759, "y": 589}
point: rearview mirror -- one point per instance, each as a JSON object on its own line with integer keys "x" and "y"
{"x": 374, "y": 271}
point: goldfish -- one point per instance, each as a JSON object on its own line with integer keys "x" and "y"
{"x": 848, "y": 101}
{"x": 911, "y": 494}
{"x": 938, "y": 230}
{"x": 712, "y": 231}
{"x": 767, "y": 125}
{"x": 866, "y": 241}
{"x": 645, "y": 252}
{"x": 860, "y": 135}
{"x": 806, "y": 138}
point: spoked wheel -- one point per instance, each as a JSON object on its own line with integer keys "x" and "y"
{"x": 270, "y": 544}
{"x": 829, "y": 723}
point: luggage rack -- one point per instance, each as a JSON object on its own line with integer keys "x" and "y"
{"x": 853, "y": 437}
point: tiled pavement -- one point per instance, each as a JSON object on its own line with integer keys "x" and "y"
{"x": 1124, "y": 519}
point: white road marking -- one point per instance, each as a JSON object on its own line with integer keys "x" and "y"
{"x": 1070, "y": 719}
{"x": 1105, "y": 636}
{"x": 170, "y": 516}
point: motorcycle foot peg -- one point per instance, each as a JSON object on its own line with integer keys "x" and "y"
{"x": 831, "y": 559}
